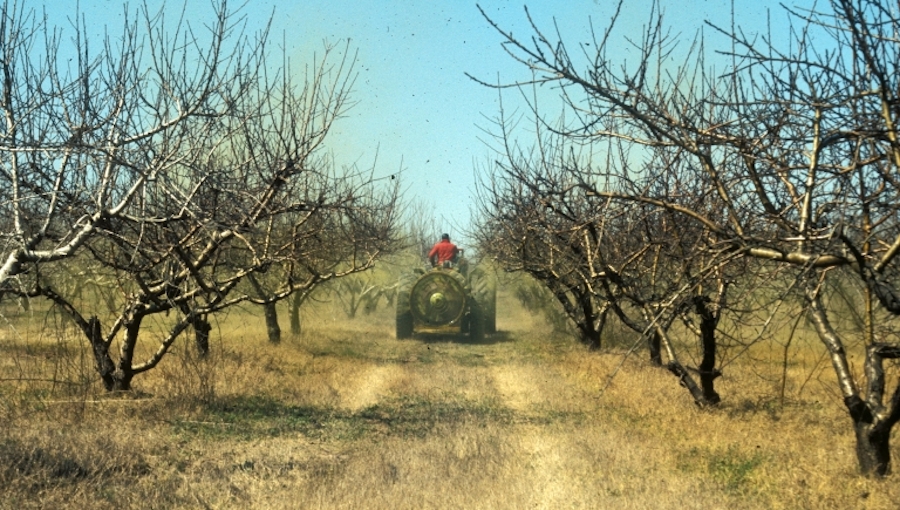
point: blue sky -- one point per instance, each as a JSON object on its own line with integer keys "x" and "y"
{"x": 416, "y": 110}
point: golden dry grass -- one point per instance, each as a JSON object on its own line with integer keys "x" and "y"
{"x": 348, "y": 417}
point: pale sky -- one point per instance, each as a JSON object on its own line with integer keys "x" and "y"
{"x": 416, "y": 110}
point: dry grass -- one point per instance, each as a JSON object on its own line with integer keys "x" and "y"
{"x": 348, "y": 417}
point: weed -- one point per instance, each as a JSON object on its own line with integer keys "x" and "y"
{"x": 731, "y": 468}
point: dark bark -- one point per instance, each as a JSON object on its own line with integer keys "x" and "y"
{"x": 270, "y": 312}
{"x": 709, "y": 321}
{"x": 589, "y": 321}
{"x": 124, "y": 373}
{"x": 872, "y": 420}
{"x": 590, "y": 336}
{"x": 272, "y": 327}
{"x": 115, "y": 377}
{"x": 873, "y": 450}
{"x": 653, "y": 342}
{"x": 296, "y": 320}
{"x": 675, "y": 366}
{"x": 684, "y": 377}
{"x": 105, "y": 366}
{"x": 202, "y": 329}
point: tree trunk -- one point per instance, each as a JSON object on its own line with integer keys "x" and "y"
{"x": 124, "y": 372}
{"x": 269, "y": 311}
{"x": 105, "y": 366}
{"x": 709, "y": 321}
{"x": 122, "y": 381}
{"x": 296, "y": 320}
{"x": 272, "y": 327}
{"x": 873, "y": 448}
{"x": 592, "y": 322}
{"x": 351, "y": 307}
{"x": 201, "y": 334}
{"x": 114, "y": 378}
{"x": 590, "y": 337}
{"x": 872, "y": 422}
{"x": 655, "y": 349}
{"x": 684, "y": 377}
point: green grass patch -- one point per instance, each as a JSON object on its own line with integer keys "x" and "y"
{"x": 411, "y": 416}
{"x": 731, "y": 468}
{"x": 250, "y": 418}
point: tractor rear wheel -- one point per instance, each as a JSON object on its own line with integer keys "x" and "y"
{"x": 476, "y": 322}
{"x": 485, "y": 291}
{"x": 404, "y": 314}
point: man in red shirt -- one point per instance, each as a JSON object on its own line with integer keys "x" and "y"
{"x": 443, "y": 251}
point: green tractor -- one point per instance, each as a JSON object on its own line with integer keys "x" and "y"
{"x": 447, "y": 300}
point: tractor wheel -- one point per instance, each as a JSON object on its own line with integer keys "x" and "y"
{"x": 476, "y": 323}
{"x": 490, "y": 311}
{"x": 404, "y": 315}
{"x": 485, "y": 291}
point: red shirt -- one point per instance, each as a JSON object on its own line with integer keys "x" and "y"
{"x": 444, "y": 251}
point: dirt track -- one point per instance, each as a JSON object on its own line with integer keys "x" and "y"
{"x": 458, "y": 425}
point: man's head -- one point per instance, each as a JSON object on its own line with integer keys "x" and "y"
{"x": 445, "y": 237}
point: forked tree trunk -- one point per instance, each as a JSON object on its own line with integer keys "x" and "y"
{"x": 115, "y": 376}
{"x": 578, "y": 304}
{"x": 105, "y": 366}
{"x": 872, "y": 420}
{"x": 201, "y": 326}
{"x": 873, "y": 450}
{"x": 684, "y": 376}
{"x": 124, "y": 372}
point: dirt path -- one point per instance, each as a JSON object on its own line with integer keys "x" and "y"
{"x": 518, "y": 386}
{"x": 369, "y": 386}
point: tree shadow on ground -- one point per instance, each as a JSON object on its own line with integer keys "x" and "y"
{"x": 489, "y": 339}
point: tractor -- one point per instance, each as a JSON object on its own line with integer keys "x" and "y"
{"x": 450, "y": 299}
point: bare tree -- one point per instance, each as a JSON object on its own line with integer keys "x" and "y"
{"x": 798, "y": 149}
{"x": 222, "y": 179}
{"x": 529, "y": 220}
{"x": 77, "y": 138}
{"x": 631, "y": 259}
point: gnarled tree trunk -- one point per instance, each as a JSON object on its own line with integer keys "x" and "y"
{"x": 272, "y": 328}
{"x": 270, "y": 312}
{"x": 709, "y": 321}
{"x": 202, "y": 328}
{"x": 872, "y": 420}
